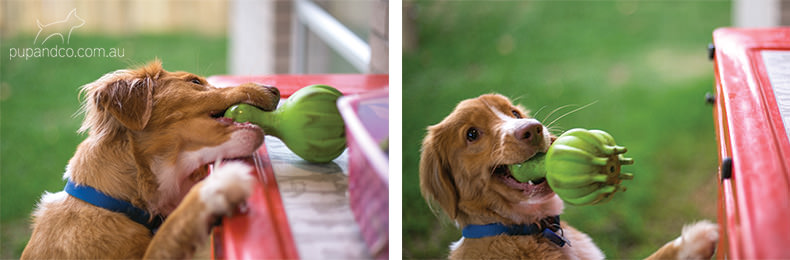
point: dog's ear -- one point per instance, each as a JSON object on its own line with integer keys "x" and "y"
{"x": 130, "y": 101}
{"x": 436, "y": 180}
{"x": 127, "y": 95}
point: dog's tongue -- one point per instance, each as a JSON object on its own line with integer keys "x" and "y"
{"x": 513, "y": 183}
{"x": 225, "y": 120}
{"x": 529, "y": 189}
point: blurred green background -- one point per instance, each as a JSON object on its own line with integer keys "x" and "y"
{"x": 39, "y": 99}
{"x": 643, "y": 62}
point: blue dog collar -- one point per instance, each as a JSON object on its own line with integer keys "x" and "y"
{"x": 546, "y": 227}
{"x": 99, "y": 199}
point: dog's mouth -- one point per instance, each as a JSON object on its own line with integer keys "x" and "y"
{"x": 530, "y": 188}
{"x": 219, "y": 116}
{"x": 503, "y": 172}
{"x": 226, "y": 121}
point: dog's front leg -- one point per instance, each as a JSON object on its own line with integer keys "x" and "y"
{"x": 697, "y": 241}
{"x": 188, "y": 226}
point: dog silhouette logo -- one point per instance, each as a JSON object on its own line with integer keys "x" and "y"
{"x": 60, "y": 29}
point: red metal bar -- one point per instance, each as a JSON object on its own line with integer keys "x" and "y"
{"x": 287, "y": 84}
{"x": 754, "y": 204}
{"x": 262, "y": 232}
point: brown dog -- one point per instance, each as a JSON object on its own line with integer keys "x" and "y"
{"x": 463, "y": 170}
{"x": 151, "y": 135}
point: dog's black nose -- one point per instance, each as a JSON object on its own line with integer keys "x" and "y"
{"x": 531, "y": 132}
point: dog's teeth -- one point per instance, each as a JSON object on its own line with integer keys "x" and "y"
{"x": 530, "y": 183}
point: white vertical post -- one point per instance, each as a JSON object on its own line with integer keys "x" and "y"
{"x": 298, "y": 45}
{"x": 756, "y": 13}
{"x": 251, "y": 48}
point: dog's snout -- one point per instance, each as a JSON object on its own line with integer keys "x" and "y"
{"x": 273, "y": 90}
{"x": 531, "y": 132}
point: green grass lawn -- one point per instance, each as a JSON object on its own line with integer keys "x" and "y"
{"x": 39, "y": 99}
{"x": 643, "y": 62}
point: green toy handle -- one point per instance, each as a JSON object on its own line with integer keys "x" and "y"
{"x": 309, "y": 122}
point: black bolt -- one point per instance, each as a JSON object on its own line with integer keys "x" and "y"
{"x": 710, "y": 98}
{"x": 726, "y": 168}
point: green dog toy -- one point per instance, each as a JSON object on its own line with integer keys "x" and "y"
{"x": 581, "y": 166}
{"x": 309, "y": 122}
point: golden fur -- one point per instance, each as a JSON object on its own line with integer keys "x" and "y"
{"x": 459, "y": 173}
{"x": 151, "y": 134}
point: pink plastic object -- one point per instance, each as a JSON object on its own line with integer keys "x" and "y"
{"x": 752, "y": 119}
{"x": 367, "y": 125}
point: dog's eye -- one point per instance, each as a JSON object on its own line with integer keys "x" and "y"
{"x": 516, "y": 114}
{"x": 472, "y": 134}
{"x": 196, "y": 81}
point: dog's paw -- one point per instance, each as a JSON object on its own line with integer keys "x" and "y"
{"x": 226, "y": 187}
{"x": 698, "y": 240}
